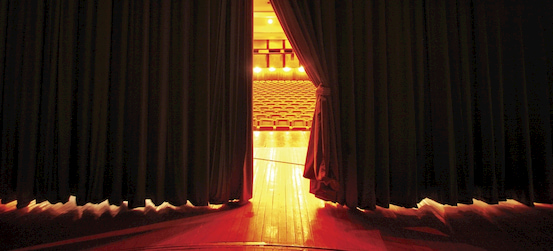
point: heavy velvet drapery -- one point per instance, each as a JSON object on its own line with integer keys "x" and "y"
{"x": 449, "y": 100}
{"x": 315, "y": 48}
{"x": 126, "y": 100}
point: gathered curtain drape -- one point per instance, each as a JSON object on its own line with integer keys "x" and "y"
{"x": 126, "y": 101}
{"x": 315, "y": 48}
{"x": 450, "y": 100}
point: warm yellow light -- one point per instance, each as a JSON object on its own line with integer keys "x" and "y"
{"x": 257, "y": 69}
{"x": 272, "y": 69}
{"x": 301, "y": 69}
{"x": 215, "y": 206}
{"x": 270, "y": 21}
{"x": 286, "y": 69}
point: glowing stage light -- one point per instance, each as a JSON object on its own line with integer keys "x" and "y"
{"x": 286, "y": 69}
{"x": 257, "y": 69}
{"x": 301, "y": 69}
{"x": 272, "y": 69}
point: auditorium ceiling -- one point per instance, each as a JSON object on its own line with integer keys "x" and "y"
{"x": 266, "y": 25}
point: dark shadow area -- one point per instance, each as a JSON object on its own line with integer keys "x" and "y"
{"x": 505, "y": 226}
{"x": 52, "y": 226}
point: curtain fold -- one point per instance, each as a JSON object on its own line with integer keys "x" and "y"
{"x": 446, "y": 100}
{"x": 314, "y": 47}
{"x": 230, "y": 118}
{"x": 117, "y": 100}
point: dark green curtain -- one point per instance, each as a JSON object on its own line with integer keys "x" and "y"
{"x": 126, "y": 100}
{"x": 450, "y": 100}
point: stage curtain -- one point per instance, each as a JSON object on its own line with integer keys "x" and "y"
{"x": 450, "y": 100}
{"x": 126, "y": 100}
{"x": 315, "y": 47}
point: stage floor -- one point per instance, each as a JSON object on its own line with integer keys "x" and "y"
{"x": 282, "y": 215}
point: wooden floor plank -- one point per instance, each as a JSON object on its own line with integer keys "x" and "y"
{"x": 290, "y": 216}
{"x": 304, "y": 211}
{"x": 268, "y": 232}
{"x": 258, "y": 202}
{"x": 280, "y": 202}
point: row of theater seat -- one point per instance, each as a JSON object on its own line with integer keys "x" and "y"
{"x": 283, "y": 104}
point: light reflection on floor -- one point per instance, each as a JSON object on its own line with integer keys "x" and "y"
{"x": 283, "y": 198}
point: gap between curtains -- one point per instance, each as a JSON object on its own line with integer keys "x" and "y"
{"x": 126, "y": 100}
{"x": 450, "y": 100}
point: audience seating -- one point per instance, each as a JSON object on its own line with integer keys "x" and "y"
{"x": 266, "y": 124}
{"x": 283, "y": 104}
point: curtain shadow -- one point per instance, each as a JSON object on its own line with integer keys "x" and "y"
{"x": 68, "y": 226}
{"x": 508, "y": 225}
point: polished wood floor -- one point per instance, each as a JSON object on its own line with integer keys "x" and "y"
{"x": 281, "y": 216}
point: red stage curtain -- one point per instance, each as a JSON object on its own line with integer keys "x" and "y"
{"x": 450, "y": 100}
{"x": 126, "y": 100}
{"x": 315, "y": 47}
